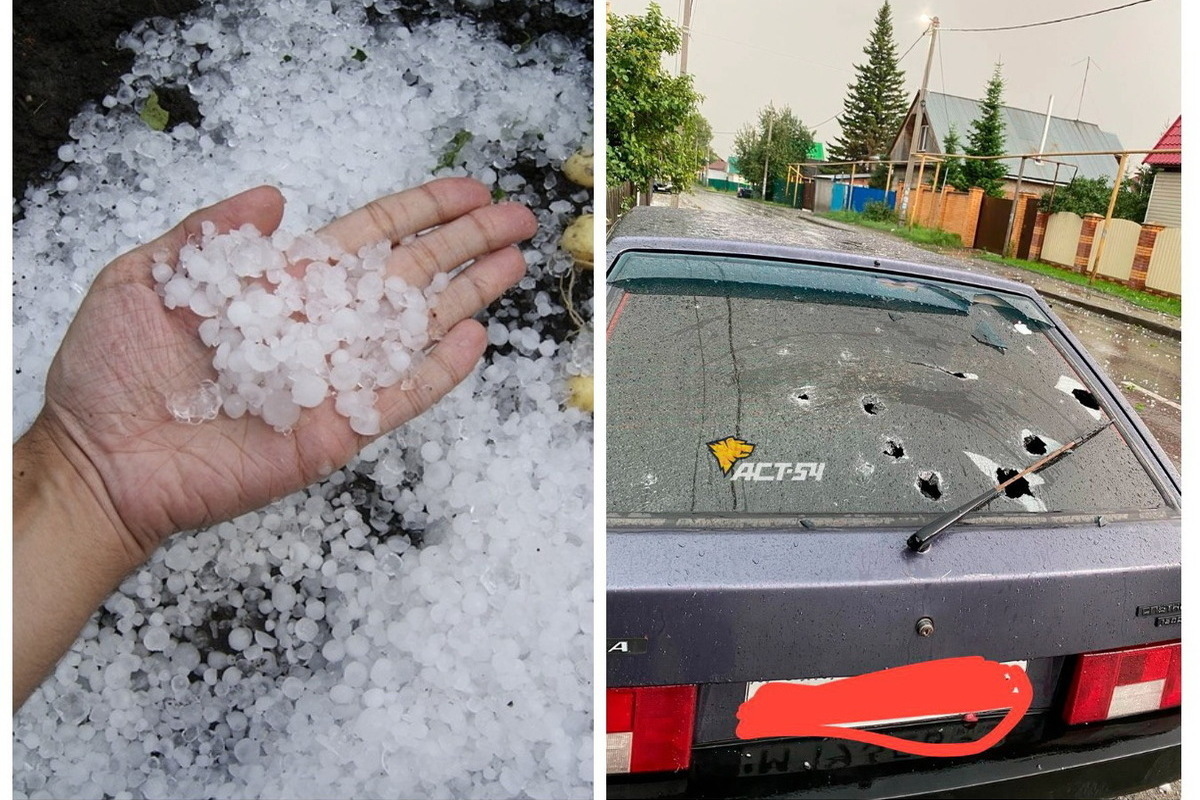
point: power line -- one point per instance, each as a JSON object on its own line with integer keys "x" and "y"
{"x": 942, "y": 70}
{"x": 822, "y": 122}
{"x": 914, "y": 44}
{"x": 1047, "y": 22}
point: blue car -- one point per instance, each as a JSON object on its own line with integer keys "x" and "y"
{"x": 875, "y": 529}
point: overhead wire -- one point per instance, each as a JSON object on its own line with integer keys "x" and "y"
{"x": 914, "y": 44}
{"x": 1047, "y": 22}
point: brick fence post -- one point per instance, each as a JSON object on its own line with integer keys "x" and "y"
{"x": 1087, "y": 234}
{"x": 1039, "y": 235}
{"x": 1142, "y": 255}
{"x": 971, "y": 217}
{"x": 1022, "y": 200}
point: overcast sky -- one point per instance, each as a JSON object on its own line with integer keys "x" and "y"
{"x": 747, "y": 53}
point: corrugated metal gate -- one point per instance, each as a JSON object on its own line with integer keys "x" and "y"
{"x": 993, "y": 221}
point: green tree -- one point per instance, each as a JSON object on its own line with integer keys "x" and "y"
{"x": 987, "y": 139}
{"x": 1134, "y": 196}
{"x": 879, "y": 177}
{"x": 875, "y": 103}
{"x": 647, "y": 108}
{"x": 778, "y": 139}
{"x": 698, "y": 133}
{"x": 1080, "y": 196}
{"x": 1091, "y": 195}
{"x": 954, "y": 166}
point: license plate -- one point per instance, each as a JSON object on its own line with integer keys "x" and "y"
{"x": 753, "y": 686}
{"x": 818, "y": 755}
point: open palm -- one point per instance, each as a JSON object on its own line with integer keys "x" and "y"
{"x": 125, "y": 354}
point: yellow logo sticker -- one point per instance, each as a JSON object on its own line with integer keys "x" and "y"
{"x": 729, "y": 450}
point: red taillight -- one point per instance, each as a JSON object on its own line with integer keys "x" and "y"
{"x": 650, "y": 728}
{"x": 1118, "y": 683}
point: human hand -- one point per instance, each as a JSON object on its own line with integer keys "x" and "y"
{"x": 106, "y": 414}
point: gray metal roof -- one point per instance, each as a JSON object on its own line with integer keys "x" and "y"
{"x": 1023, "y": 133}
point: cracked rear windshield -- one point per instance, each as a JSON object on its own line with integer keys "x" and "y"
{"x": 757, "y": 386}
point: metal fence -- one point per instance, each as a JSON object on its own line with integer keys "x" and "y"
{"x": 1069, "y": 238}
{"x": 1164, "y": 274}
{"x": 1062, "y": 238}
{"x": 1120, "y": 246}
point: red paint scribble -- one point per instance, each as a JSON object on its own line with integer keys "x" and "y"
{"x": 949, "y": 687}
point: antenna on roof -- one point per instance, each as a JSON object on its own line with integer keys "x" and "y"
{"x": 1082, "y": 90}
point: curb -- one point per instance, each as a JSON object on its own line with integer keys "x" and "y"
{"x": 1158, "y": 327}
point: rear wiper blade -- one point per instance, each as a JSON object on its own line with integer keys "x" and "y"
{"x": 921, "y": 540}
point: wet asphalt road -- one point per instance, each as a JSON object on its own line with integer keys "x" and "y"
{"x": 1146, "y": 365}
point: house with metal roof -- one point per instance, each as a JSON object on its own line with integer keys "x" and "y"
{"x": 1166, "y": 204}
{"x": 1022, "y": 134}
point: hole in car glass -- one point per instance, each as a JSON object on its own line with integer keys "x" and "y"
{"x": 931, "y": 485}
{"x": 1086, "y": 399}
{"x": 723, "y": 352}
{"x": 1017, "y": 488}
{"x": 801, "y": 397}
{"x": 1035, "y": 445}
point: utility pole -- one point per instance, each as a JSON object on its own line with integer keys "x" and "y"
{"x": 686, "y": 36}
{"x": 767, "y": 151}
{"x": 919, "y": 122}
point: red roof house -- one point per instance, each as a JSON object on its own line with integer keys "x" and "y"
{"x": 1172, "y": 138}
{"x": 1166, "y": 196}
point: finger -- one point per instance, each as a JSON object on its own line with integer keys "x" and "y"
{"x": 444, "y": 368}
{"x": 472, "y": 235}
{"x": 398, "y": 215}
{"x": 261, "y": 206}
{"x": 475, "y": 288}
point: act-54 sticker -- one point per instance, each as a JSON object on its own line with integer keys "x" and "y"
{"x": 731, "y": 453}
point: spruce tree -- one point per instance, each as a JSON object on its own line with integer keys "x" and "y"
{"x": 954, "y": 166}
{"x": 875, "y": 103}
{"x": 987, "y": 139}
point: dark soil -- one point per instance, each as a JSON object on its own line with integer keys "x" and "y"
{"x": 64, "y": 55}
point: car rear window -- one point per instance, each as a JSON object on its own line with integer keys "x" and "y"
{"x": 758, "y": 386}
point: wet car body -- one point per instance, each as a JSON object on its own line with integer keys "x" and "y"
{"x": 866, "y": 376}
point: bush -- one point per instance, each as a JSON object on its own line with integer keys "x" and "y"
{"x": 879, "y": 211}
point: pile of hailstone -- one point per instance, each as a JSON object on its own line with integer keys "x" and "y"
{"x": 419, "y": 623}
{"x": 284, "y": 340}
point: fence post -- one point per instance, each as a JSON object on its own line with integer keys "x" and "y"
{"x": 971, "y": 219}
{"x": 1141, "y": 256}
{"x": 1087, "y": 234}
{"x": 1039, "y": 235}
{"x": 1021, "y": 202}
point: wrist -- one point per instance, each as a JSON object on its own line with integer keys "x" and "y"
{"x": 69, "y": 553}
{"x": 59, "y": 495}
